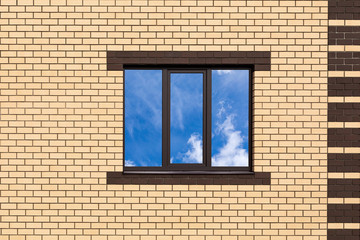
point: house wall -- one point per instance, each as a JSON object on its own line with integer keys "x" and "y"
{"x": 61, "y": 121}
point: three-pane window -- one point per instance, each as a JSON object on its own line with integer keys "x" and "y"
{"x": 187, "y": 120}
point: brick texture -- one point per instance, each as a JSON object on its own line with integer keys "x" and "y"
{"x": 344, "y": 35}
{"x": 344, "y": 112}
{"x": 259, "y": 60}
{"x": 343, "y": 83}
{"x": 343, "y": 213}
{"x": 343, "y": 162}
{"x": 61, "y": 122}
{"x": 344, "y": 61}
{"x": 343, "y": 234}
{"x": 344, "y": 9}
{"x": 344, "y": 137}
{"x": 254, "y": 179}
{"x": 344, "y": 86}
{"x": 344, "y": 188}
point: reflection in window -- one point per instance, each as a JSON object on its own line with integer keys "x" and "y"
{"x": 230, "y": 118}
{"x": 186, "y": 118}
{"x": 185, "y": 94}
{"x": 143, "y": 118}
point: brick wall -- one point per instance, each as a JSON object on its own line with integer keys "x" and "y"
{"x": 61, "y": 121}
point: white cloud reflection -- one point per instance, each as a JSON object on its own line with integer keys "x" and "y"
{"x": 222, "y": 72}
{"x": 232, "y": 153}
{"x": 195, "y": 153}
{"x": 230, "y": 119}
{"x": 130, "y": 163}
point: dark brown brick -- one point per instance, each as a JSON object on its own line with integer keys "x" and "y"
{"x": 343, "y": 234}
{"x": 205, "y": 54}
{"x": 146, "y": 60}
{"x": 224, "y": 54}
{"x": 194, "y": 61}
{"x": 157, "y": 54}
{"x": 344, "y": 137}
{"x": 215, "y": 61}
{"x": 265, "y": 181}
{"x": 344, "y": 188}
{"x": 229, "y": 60}
{"x": 183, "y": 60}
{"x": 342, "y": 162}
{"x": 344, "y": 86}
{"x": 344, "y": 9}
{"x": 344, "y": 112}
{"x": 133, "y": 60}
{"x": 343, "y": 61}
{"x": 261, "y": 60}
{"x": 166, "y": 60}
{"x": 244, "y": 61}
{"x": 238, "y": 54}
{"x": 110, "y": 54}
{"x": 343, "y": 213}
{"x": 262, "y": 68}
{"x": 136, "y": 54}
{"x": 156, "y": 180}
{"x": 176, "y": 54}
{"x": 115, "y": 67}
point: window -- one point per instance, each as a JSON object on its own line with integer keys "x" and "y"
{"x": 187, "y": 120}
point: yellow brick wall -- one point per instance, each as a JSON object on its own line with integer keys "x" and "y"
{"x": 61, "y": 120}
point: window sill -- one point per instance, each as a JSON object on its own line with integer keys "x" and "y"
{"x": 186, "y": 178}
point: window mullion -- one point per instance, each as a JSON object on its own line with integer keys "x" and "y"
{"x": 165, "y": 118}
{"x": 207, "y": 136}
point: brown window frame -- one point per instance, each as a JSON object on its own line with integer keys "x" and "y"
{"x": 205, "y": 167}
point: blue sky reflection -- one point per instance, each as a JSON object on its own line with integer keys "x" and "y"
{"x": 230, "y": 121}
{"x": 143, "y": 118}
{"x": 186, "y": 117}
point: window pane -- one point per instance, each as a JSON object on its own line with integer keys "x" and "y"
{"x": 143, "y": 118}
{"x": 230, "y": 118}
{"x": 186, "y": 118}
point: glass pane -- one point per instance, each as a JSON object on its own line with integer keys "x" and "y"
{"x": 186, "y": 118}
{"x": 143, "y": 118}
{"x": 230, "y": 118}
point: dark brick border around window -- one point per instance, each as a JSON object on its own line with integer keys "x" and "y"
{"x": 259, "y": 178}
{"x": 257, "y": 60}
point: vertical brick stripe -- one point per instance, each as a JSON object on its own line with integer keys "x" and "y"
{"x": 343, "y": 112}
